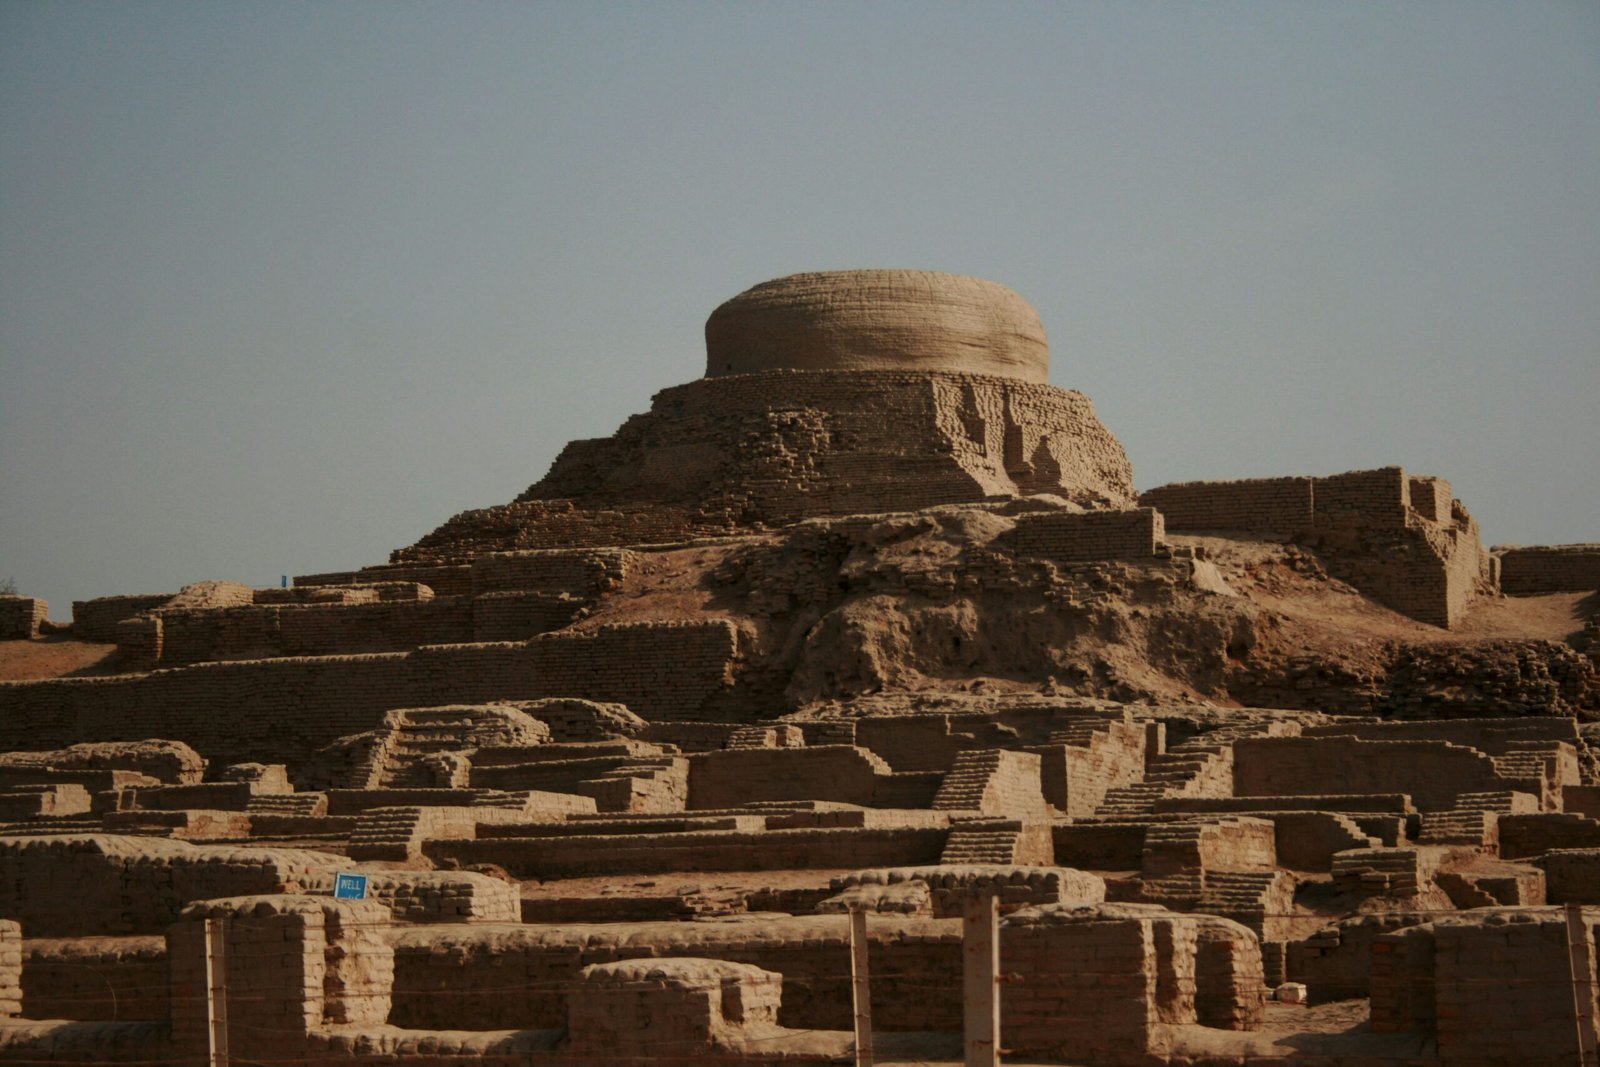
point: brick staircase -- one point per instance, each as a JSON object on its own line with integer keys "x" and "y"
{"x": 419, "y": 733}
{"x": 311, "y": 805}
{"x": 982, "y": 841}
{"x": 967, "y": 781}
{"x": 87, "y": 823}
{"x": 1185, "y": 770}
{"x": 1170, "y": 774}
{"x": 388, "y": 834}
{"x": 614, "y": 774}
{"x": 1475, "y": 818}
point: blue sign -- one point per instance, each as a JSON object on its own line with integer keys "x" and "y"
{"x": 350, "y": 887}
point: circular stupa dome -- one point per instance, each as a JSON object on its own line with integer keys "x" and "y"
{"x": 914, "y": 320}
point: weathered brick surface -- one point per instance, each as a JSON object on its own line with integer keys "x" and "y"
{"x": 281, "y": 710}
{"x": 21, "y": 616}
{"x": 1535, "y": 569}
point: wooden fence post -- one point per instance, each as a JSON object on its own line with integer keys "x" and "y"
{"x": 216, "y": 993}
{"x": 860, "y": 987}
{"x": 980, "y": 951}
{"x": 1581, "y": 962}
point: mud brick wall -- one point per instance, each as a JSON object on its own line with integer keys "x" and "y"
{"x": 21, "y": 616}
{"x": 1278, "y": 504}
{"x": 1338, "y": 961}
{"x": 517, "y": 616}
{"x": 1109, "y": 846}
{"x": 1549, "y": 569}
{"x": 1431, "y": 497}
{"x": 445, "y": 579}
{"x": 88, "y": 978}
{"x": 1104, "y": 975}
{"x": 735, "y": 777}
{"x": 1433, "y": 773}
{"x": 1523, "y": 836}
{"x": 1375, "y": 498}
{"x": 96, "y": 620}
{"x": 10, "y": 968}
{"x": 1230, "y": 983}
{"x": 488, "y": 977}
{"x": 1111, "y": 759}
{"x": 102, "y": 884}
{"x": 1068, "y": 537}
{"x": 1571, "y": 875}
{"x": 445, "y": 897}
{"x": 295, "y": 964}
{"x": 772, "y": 850}
{"x": 1495, "y": 737}
{"x": 1581, "y": 800}
{"x": 583, "y": 572}
{"x": 1504, "y": 989}
{"x": 1231, "y": 844}
{"x": 277, "y": 711}
{"x": 263, "y": 631}
{"x": 1401, "y": 980}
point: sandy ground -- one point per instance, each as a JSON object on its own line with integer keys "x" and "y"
{"x": 55, "y": 657}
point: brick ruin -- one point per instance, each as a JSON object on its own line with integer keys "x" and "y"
{"x": 832, "y": 648}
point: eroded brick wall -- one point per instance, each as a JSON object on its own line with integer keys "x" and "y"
{"x": 1071, "y": 537}
{"x": 21, "y": 616}
{"x": 278, "y": 711}
{"x": 520, "y": 976}
{"x": 1549, "y": 569}
{"x": 1432, "y": 773}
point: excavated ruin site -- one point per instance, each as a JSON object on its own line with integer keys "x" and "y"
{"x": 851, "y": 704}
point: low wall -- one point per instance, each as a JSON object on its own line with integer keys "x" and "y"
{"x": 771, "y": 850}
{"x": 1277, "y": 504}
{"x": 1070, "y": 537}
{"x": 280, "y": 710}
{"x": 501, "y": 977}
{"x": 89, "y": 978}
{"x": 735, "y": 777}
{"x": 96, "y": 620}
{"x": 1433, "y": 773}
{"x": 104, "y": 884}
{"x": 1528, "y": 571}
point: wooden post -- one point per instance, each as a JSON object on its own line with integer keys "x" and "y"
{"x": 980, "y": 951}
{"x": 1581, "y": 962}
{"x": 860, "y": 987}
{"x": 216, "y": 993}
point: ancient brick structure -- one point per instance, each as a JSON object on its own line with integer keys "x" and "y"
{"x": 832, "y": 648}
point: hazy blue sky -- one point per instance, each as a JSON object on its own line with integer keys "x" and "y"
{"x": 285, "y": 285}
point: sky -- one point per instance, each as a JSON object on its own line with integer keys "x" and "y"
{"x": 283, "y": 286}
